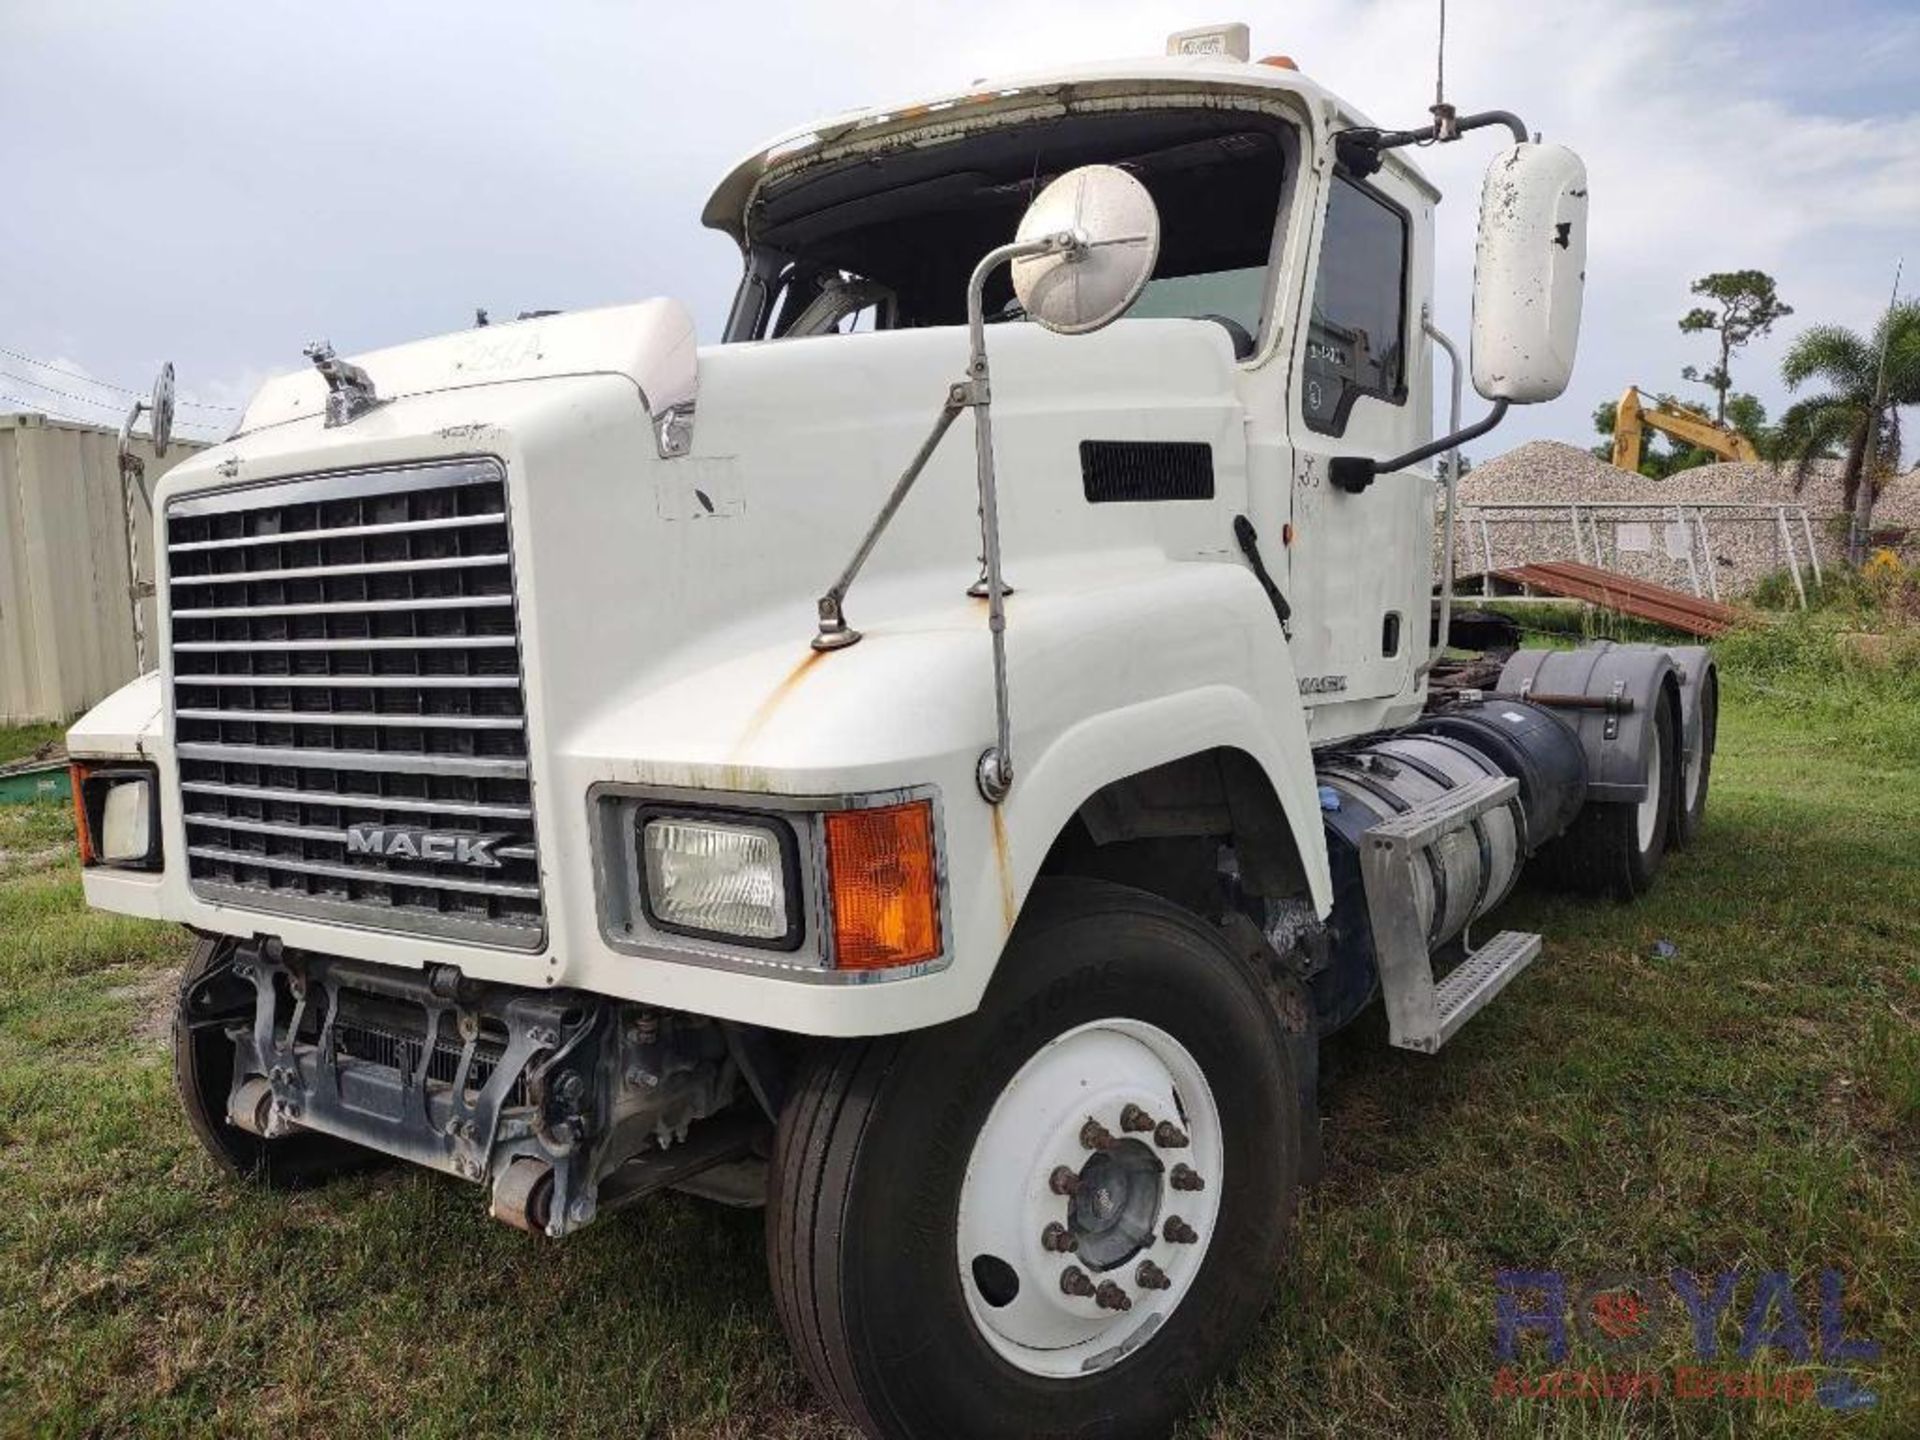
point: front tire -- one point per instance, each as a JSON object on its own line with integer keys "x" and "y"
{"x": 921, "y": 1234}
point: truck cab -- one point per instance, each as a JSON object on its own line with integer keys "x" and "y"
{"x": 1317, "y": 281}
{"x": 548, "y": 813}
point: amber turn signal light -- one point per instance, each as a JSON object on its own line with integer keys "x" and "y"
{"x": 82, "y": 828}
{"x": 885, "y": 888}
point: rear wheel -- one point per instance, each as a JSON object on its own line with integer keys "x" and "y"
{"x": 1061, "y": 1214}
{"x": 211, "y": 1000}
{"x": 1615, "y": 848}
{"x": 1690, "y": 810}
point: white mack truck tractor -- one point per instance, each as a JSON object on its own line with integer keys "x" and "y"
{"x": 934, "y": 764}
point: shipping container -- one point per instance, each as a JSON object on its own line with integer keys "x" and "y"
{"x": 66, "y": 602}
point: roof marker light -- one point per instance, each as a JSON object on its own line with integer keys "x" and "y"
{"x": 1232, "y": 42}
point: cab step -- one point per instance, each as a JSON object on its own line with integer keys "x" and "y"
{"x": 1478, "y": 978}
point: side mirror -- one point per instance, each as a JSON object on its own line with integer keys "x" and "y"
{"x": 1090, "y": 285}
{"x": 160, "y": 420}
{"x": 1529, "y": 273}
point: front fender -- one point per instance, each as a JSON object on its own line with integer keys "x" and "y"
{"x": 1111, "y": 672}
{"x": 1166, "y": 728}
{"x": 127, "y": 725}
{"x": 124, "y": 726}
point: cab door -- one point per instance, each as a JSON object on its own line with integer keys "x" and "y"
{"x": 1360, "y": 564}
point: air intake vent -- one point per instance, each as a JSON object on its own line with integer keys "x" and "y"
{"x": 347, "y": 702}
{"x": 1122, "y": 470}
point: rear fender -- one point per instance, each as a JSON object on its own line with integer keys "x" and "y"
{"x": 1618, "y": 743}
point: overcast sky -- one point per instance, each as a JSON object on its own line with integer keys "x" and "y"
{"x": 217, "y": 183}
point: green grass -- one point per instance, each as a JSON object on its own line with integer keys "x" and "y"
{"x": 20, "y": 741}
{"x": 1752, "y": 1100}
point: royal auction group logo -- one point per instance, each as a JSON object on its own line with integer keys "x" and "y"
{"x": 1619, "y": 1321}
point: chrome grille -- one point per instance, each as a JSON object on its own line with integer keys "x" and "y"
{"x": 346, "y": 660}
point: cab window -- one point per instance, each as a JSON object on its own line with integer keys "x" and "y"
{"x": 1356, "y": 336}
{"x": 886, "y": 239}
{"x": 1235, "y": 298}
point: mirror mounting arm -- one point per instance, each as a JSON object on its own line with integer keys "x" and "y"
{"x": 973, "y": 392}
{"x": 1116, "y": 267}
{"x": 994, "y": 773}
{"x": 1359, "y": 150}
{"x": 835, "y": 633}
{"x": 1354, "y": 473}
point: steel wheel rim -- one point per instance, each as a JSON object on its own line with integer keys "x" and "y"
{"x": 1647, "y": 817}
{"x": 1012, "y": 1216}
{"x": 1695, "y": 759}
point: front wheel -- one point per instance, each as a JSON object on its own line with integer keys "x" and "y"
{"x": 1061, "y": 1214}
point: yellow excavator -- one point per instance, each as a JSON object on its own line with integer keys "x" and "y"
{"x": 1636, "y": 416}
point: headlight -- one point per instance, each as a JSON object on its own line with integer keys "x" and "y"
{"x": 126, "y": 822}
{"x": 731, "y": 878}
{"x": 117, "y": 812}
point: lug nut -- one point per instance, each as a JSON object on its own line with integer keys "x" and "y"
{"x": 1183, "y": 1178}
{"x": 1111, "y": 1297}
{"x": 1169, "y": 1136}
{"x": 1151, "y": 1277}
{"x": 1058, "y": 1238}
{"x": 1074, "y": 1281}
{"x": 1133, "y": 1119}
{"x": 1096, "y": 1136}
{"x": 1063, "y": 1181}
{"x": 1178, "y": 1232}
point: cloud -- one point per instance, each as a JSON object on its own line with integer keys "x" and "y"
{"x": 218, "y": 183}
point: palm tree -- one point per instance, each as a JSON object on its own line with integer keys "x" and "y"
{"x": 1868, "y": 378}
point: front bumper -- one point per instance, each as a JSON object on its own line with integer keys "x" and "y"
{"x": 562, "y": 1104}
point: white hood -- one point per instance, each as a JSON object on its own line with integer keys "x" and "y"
{"x": 652, "y": 343}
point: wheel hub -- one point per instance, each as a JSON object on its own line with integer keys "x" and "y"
{"x": 1089, "y": 1198}
{"x": 1112, "y": 1214}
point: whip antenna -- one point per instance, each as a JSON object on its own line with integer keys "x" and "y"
{"x": 1446, "y": 124}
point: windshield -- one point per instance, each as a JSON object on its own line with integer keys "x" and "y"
{"x": 888, "y": 240}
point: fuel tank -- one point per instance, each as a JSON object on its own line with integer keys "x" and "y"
{"x": 1467, "y": 871}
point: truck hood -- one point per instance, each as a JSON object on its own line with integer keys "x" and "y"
{"x": 651, "y": 343}
{"x": 641, "y": 573}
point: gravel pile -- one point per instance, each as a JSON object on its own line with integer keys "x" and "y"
{"x": 1648, "y": 542}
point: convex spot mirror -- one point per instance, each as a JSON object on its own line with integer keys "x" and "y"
{"x": 160, "y": 420}
{"x": 1111, "y": 215}
{"x": 1529, "y": 273}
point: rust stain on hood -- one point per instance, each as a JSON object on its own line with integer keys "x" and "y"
{"x": 775, "y": 699}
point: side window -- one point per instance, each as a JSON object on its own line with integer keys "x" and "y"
{"x": 1234, "y": 298}
{"x": 1356, "y": 338}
